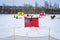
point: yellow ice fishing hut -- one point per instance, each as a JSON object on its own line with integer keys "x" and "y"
{"x": 20, "y": 13}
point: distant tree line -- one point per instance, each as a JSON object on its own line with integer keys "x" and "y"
{"x": 29, "y": 9}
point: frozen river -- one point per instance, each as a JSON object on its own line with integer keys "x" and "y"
{"x": 10, "y": 26}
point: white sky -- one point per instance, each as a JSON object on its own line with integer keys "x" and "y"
{"x": 22, "y": 2}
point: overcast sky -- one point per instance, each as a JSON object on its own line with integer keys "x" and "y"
{"x": 22, "y": 2}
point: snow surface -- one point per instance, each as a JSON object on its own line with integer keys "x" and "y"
{"x": 10, "y": 26}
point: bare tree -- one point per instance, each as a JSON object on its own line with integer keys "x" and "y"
{"x": 46, "y": 4}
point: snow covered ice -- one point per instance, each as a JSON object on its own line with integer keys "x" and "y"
{"x": 9, "y": 25}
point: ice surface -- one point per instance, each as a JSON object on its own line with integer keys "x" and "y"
{"x": 9, "y": 25}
